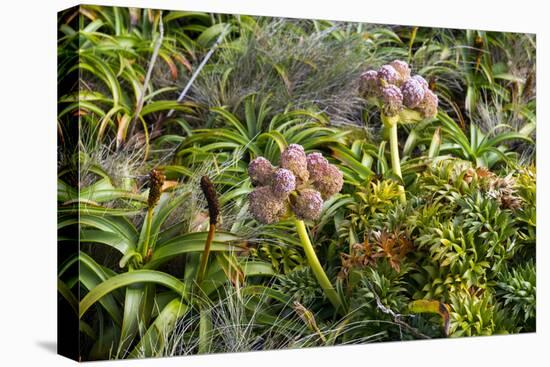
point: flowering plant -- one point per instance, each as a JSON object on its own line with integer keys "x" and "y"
{"x": 402, "y": 98}
{"x": 297, "y": 187}
{"x": 398, "y": 93}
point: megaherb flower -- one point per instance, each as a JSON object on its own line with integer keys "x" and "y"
{"x": 156, "y": 180}
{"x": 294, "y": 159}
{"x": 415, "y": 94}
{"x": 297, "y": 187}
{"x": 316, "y": 165}
{"x": 325, "y": 177}
{"x": 389, "y": 75}
{"x": 369, "y": 83}
{"x": 307, "y": 204}
{"x": 422, "y": 81}
{"x": 428, "y": 106}
{"x": 283, "y": 183}
{"x": 393, "y": 100}
{"x": 402, "y": 69}
{"x": 265, "y": 206}
{"x": 211, "y": 196}
{"x": 300, "y": 184}
{"x": 402, "y": 98}
{"x": 260, "y": 171}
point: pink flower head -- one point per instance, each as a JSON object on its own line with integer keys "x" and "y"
{"x": 294, "y": 159}
{"x": 388, "y": 74}
{"x": 316, "y": 165}
{"x": 283, "y": 183}
{"x": 369, "y": 85}
{"x": 330, "y": 182}
{"x": 260, "y": 171}
{"x": 325, "y": 177}
{"x": 402, "y": 69}
{"x": 307, "y": 204}
{"x": 422, "y": 82}
{"x": 393, "y": 100}
{"x": 413, "y": 93}
{"x": 265, "y": 206}
{"x": 428, "y": 106}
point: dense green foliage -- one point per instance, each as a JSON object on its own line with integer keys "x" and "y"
{"x": 464, "y": 239}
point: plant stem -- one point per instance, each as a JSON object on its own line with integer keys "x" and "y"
{"x": 206, "y": 253}
{"x": 394, "y": 149}
{"x": 395, "y": 161}
{"x": 148, "y": 222}
{"x": 411, "y": 43}
{"x": 316, "y": 267}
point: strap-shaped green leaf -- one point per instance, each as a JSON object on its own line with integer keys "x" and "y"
{"x": 176, "y": 248}
{"x": 111, "y": 239}
{"x": 126, "y": 279}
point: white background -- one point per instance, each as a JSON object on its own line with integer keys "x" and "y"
{"x": 28, "y": 186}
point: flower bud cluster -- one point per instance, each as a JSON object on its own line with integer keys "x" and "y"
{"x": 395, "y": 88}
{"x": 301, "y": 183}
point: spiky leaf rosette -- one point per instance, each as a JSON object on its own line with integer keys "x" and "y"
{"x": 503, "y": 190}
{"x": 518, "y": 288}
{"x": 265, "y": 206}
{"x": 156, "y": 180}
{"x": 386, "y": 285}
{"x": 301, "y": 285}
{"x": 475, "y": 315}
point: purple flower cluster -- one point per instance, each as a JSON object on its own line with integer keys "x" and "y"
{"x": 260, "y": 171}
{"x": 394, "y": 86}
{"x": 265, "y": 206}
{"x": 324, "y": 177}
{"x": 413, "y": 93}
{"x": 393, "y": 100}
{"x": 283, "y": 183}
{"x": 301, "y": 184}
{"x": 389, "y": 75}
{"x": 402, "y": 68}
{"x": 294, "y": 159}
{"x": 307, "y": 204}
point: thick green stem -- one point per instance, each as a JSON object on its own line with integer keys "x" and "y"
{"x": 316, "y": 267}
{"x": 395, "y": 161}
{"x": 146, "y": 241}
{"x": 206, "y": 254}
{"x": 394, "y": 148}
